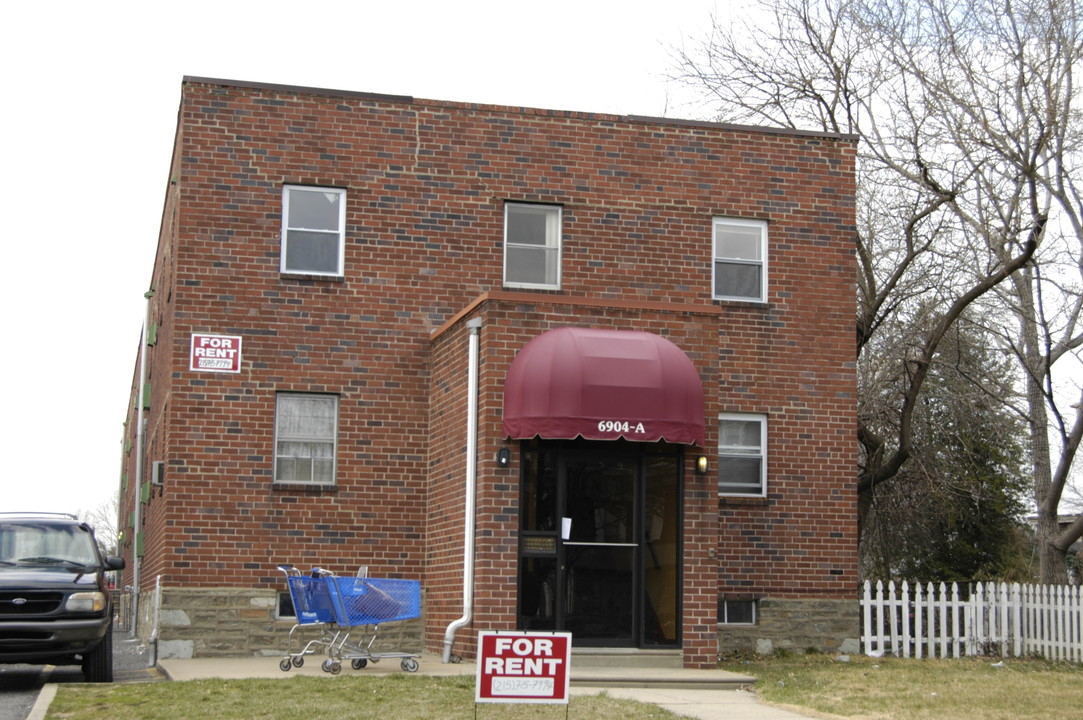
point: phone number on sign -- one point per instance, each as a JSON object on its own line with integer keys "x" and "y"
{"x": 223, "y": 363}
{"x": 529, "y": 687}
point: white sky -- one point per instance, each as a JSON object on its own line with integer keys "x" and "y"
{"x": 91, "y": 92}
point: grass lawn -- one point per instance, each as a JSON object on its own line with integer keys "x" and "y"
{"x": 313, "y": 698}
{"x": 908, "y": 689}
{"x": 818, "y": 685}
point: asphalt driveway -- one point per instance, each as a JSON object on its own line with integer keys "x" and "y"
{"x": 21, "y": 684}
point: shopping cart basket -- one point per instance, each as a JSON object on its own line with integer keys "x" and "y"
{"x": 364, "y": 602}
{"x": 312, "y": 606}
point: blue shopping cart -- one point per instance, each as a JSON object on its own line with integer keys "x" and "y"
{"x": 364, "y": 602}
{"x": 312, "y": 606}
{"x": 349, "y": 612}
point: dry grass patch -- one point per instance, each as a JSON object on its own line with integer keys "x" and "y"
{"x": 908, "y": 689}
{"x": 315, "y": 698}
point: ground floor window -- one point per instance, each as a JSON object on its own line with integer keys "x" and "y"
{"x": 306, "y": 427}
{"x": 742, "y": 455}
{"x": 736, "y": 612}
{"x": 285, "y": 609}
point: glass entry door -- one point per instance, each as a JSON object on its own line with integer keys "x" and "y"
{"x": 599, "y": 548}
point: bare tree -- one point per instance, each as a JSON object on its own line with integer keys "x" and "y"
{"x": 955, "y": 509}
{"x": 105, "y": 521}
{"x": 968, "y": 134}
{"x": 1006, "y": 71}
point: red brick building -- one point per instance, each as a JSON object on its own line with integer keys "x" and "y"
{"x": 631, "y": 337}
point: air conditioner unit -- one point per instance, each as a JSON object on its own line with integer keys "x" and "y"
{"x": 157, "y": 472}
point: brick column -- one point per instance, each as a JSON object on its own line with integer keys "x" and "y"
{"x": 700, "y": 592}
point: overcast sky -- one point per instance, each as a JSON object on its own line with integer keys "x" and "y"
{"x": 91, "y": 92}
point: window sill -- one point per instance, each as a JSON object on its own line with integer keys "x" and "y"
{"x": 309, "y": 278}
{"x": 740, "y": 500}
{"x": 741, "y": 302}
{"x": 309, "y": 488}
{"x": 532, "y": 288}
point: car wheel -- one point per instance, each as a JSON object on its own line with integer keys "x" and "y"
{"x": 98, "y": 663}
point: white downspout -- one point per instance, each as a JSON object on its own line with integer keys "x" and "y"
{"x": 471, "y": 489}
{"x": 152, "y": 643}
{"x": 137, "y": 512}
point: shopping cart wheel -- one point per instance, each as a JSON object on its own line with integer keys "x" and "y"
{"x": 298, "y": 661}
{"x": 455, "y": 659}
{"x": 285, "y": 665}
{"x": 327, "y": 666}
{"x": 359, "y": 663}
{"x": 409, "y": 665}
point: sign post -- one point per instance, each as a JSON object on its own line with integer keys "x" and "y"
{"x": 523, "y": 667}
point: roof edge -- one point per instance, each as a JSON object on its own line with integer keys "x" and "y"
{"x": 410, "y": 100}
{"x": 764, "y": 129}
{"x": 297, "y": 89}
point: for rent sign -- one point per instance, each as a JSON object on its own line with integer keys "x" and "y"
{"x": 523, "y": 667}
{"x": 215, "y": 353}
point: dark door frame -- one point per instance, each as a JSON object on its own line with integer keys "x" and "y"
{"x": 542, "y": 549}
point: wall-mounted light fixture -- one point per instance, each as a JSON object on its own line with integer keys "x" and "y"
{"x": 503, "y": 457}
{"x": 701, "y": 465}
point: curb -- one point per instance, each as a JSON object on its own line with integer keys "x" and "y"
{"x": 41, "y": 705}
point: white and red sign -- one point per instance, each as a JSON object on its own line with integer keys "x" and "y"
{"x": 523, "y": 667}
{"x": 215, "y": 353}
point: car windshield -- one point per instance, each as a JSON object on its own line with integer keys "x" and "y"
{"x": 68, "y": 546}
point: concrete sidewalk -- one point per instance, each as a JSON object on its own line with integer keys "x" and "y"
{"x": 676, "y": 690}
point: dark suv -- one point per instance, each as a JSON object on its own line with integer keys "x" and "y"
{"x": 55, "y": 606}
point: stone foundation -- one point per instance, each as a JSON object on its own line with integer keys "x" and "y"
{"x": 242, "y": 622}
{"x": 799, "y": 626}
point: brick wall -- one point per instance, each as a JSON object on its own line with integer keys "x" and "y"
{"x": 426, "y": 182}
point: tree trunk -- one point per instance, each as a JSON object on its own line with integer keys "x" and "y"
{"x": 1053, "y": 561}
{"x": 1053, "y": 565}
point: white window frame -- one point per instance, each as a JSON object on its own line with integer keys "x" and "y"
{"x": 282, "y": 397}
{"x": 723, "y": 611}
{"x": 339, "y": 233}
{"x": 744, "y": 452}
{"x": 553, "y": 247}
{"x": 282, "y": 597}
{"x": 720, "y": 225}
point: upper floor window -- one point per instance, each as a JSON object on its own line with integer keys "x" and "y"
{"x": 306, "y": 427}
{"x": 313, "y": 230}
{"x": 742, "y": 455}
{"x": 740, "y": 259}
{"x": 532, "y": 239}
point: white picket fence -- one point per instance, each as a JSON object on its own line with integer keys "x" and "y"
{"x": 1002, "y": 619}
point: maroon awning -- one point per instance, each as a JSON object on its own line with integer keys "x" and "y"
{"x": 602, "y": 385}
